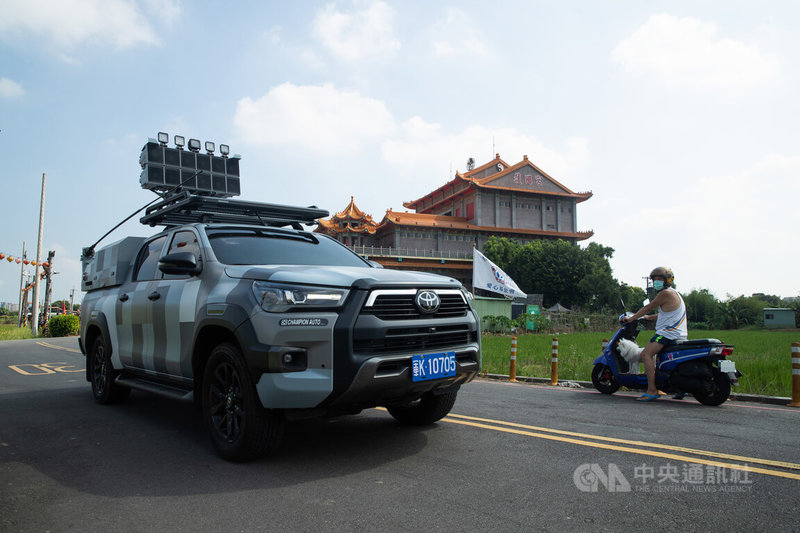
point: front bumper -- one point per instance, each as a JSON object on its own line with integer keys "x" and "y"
{"x": 387, "y": 379}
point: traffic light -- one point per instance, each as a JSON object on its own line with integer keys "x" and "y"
{"x": 166, "y": 169}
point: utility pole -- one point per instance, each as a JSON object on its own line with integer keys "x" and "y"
{"x": 71, "y": 299}
{"x": 21, "y": 286}
{"x": 48, "y": 286}
{"x": 35, "y": 314}
{"x": 23, "y": 320}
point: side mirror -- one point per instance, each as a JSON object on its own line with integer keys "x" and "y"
{"x": 374, "y": 264}
{"x": 179, "y": 263}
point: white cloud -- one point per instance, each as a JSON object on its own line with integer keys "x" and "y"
{"x": 687, "y": 52}
{"x": 320, "y": 118}
{"x": 70, "y": 23}
{"x": 363, "y": 34}
{"x": 10, "y": 89}
{"x": 166, "y": 11}
{"x": 457, "y": 35}
{"x": 729, "y": 233}
{"x": 424, "y": 145}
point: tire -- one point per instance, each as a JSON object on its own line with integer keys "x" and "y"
{"x": 240, "y": 428}
{"x": 102, "y": 375}
{"x": 603, "y": 379}
{"x": 716, "y": 392}
{"x": 429, "y": 408}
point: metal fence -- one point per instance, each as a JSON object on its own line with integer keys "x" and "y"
{"x": 411, "y": 252}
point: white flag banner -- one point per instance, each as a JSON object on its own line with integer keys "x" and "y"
{"x": 489, "y": 277}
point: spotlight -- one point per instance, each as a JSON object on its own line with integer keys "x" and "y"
{"x": 224, "y": 149}
{"x": 194, "y": 145}
{"x": 209, "y": 147}
{"x": 163, "y": 138}
{"x": 180, "y": 141}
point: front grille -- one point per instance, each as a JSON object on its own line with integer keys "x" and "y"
{"x": 399, "y": 305}
{"x": 416, "y": 340}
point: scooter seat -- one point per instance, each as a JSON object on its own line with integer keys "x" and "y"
{"x": 690, "y": 343}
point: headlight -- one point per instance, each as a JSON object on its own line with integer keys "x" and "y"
{"x": 279, "y": 298}
{"x": 467, "y": 296}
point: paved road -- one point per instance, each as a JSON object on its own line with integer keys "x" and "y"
{"x": 509, "y": 458}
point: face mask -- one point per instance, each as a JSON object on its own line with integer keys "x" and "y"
{"x": 658, "y": 284}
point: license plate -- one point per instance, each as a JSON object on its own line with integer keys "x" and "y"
{"x": 726, "y": 366}
{"x": 433, "y": 366}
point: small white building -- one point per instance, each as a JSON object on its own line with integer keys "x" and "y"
{"x": 779, "y": 317}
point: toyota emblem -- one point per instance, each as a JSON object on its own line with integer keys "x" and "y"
{"x": 427, "y": 301}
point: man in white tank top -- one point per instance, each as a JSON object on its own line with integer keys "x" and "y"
{"x": 670, "y": 323}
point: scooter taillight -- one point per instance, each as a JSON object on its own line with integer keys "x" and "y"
{"x": 727, "y": 351}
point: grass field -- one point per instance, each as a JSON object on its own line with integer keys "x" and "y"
{"x": 763, "y": 357}
{"x": 10, "y": 332}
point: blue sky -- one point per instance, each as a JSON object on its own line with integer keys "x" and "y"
{"x": 680, "y": 117}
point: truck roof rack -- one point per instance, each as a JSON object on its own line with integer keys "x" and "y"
{"x": 184, "y": 208}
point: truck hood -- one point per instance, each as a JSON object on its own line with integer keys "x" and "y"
{"x": 346, "y": 277}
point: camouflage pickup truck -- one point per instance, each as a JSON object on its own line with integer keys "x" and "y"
{"x": 260, "y": 323}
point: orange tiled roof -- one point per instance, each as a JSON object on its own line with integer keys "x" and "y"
{"x": 345, "y": 220}
{"x": 486, "y": 183}
{"x": 459, "y": 223}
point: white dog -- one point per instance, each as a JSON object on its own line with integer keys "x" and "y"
{"x": 630, "y": 351}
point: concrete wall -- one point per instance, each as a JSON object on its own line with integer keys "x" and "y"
{"x": 492, "y": 306}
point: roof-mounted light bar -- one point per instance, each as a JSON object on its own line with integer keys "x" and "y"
{"x": 166, "y": 170}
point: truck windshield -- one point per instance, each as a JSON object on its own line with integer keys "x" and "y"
{"x": 279, "y": 247}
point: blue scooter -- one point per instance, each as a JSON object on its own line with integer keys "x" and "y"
{"x": 696, "y": 366}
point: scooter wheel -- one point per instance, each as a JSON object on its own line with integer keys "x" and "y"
{"x": 603, "y": 379}
{"x": 715, "y": 392}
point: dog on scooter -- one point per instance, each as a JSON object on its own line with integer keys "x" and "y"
{"x": 630, "y": 351}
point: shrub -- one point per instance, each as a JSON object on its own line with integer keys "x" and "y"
{"x": 63, "y": 325}
{"x": 496, "y": 324}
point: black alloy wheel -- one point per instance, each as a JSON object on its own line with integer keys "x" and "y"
{"x": 102, "y": 375}
{"x": 240, "y": 428}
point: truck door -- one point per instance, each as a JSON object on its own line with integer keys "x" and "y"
{"x": 174, "y": 312}
{"x": 134, "y": 313}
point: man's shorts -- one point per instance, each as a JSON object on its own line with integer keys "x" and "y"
{"x": 661, "y": 339}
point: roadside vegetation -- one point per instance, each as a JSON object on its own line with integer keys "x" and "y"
{"x": 10, "y": 332}
{"x": 763, "y": 357}
{"x": 581, "y": 279}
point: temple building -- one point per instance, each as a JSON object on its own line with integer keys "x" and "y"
{"x": 519, "y": 201}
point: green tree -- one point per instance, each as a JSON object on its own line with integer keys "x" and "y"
{"x": 742, "y": 311}
{"x": 631, "y": 296}
{"x": 561, "y": 271}
{"x": 64, "y": 304}
{"x": 703, "y": 310}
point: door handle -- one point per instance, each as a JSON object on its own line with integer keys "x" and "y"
{"x": 123, "y": 298}
{"x": 153, "y": 296}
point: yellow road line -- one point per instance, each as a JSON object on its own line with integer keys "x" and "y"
{"x": 48, "y": 345}
{"x": 542, "y": 433}
{"x": 708, "y": 453}
{"x": 639, "y": 451}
